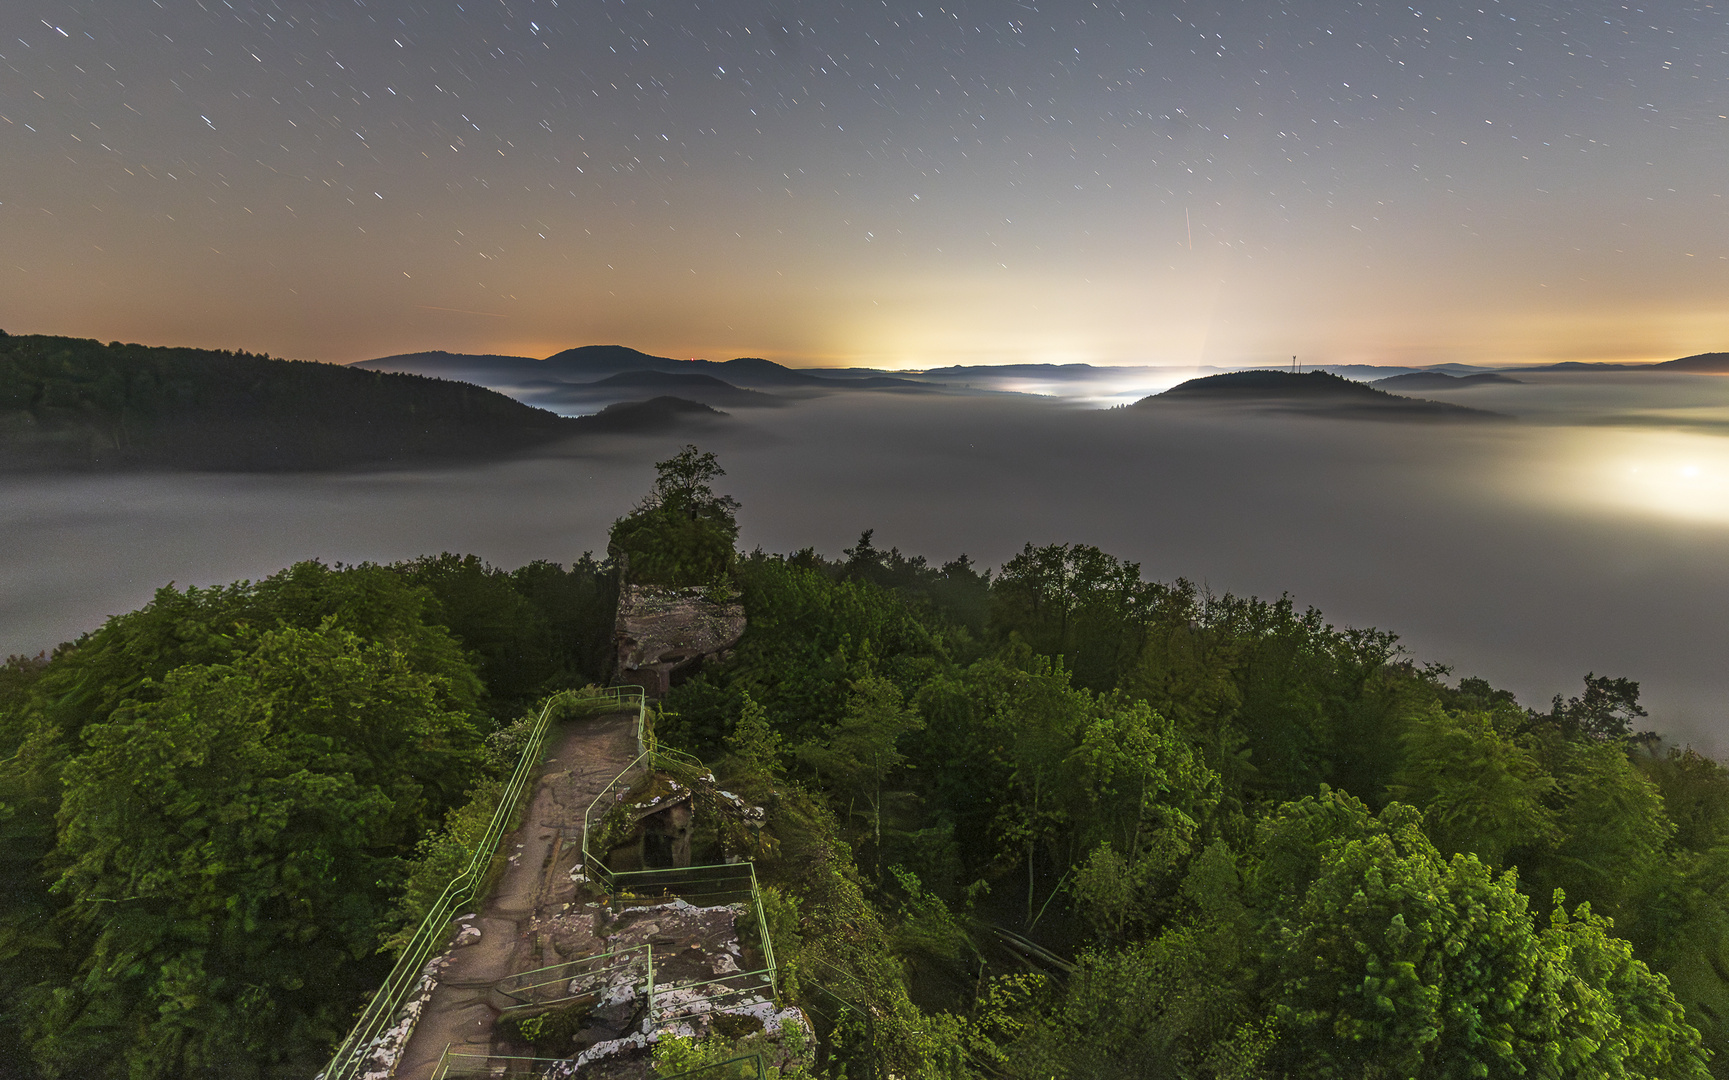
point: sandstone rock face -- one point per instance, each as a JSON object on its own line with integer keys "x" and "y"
{"x": 663, "y": 633}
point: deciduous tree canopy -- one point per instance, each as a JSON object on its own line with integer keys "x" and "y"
{"x": 1055, "y": 821}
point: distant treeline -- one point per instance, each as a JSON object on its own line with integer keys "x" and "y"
{"x": 71, "y": 403}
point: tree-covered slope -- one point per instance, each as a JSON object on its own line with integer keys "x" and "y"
{"x": 70, "y": 403}
{"x": 1054, "y": 820}
{"x": 208, "y": 807}
{"x": 1256, "y": 844}
{"x": 1318, "y": 393}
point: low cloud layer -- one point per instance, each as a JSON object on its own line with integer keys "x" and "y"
{"x": 1591, "y": 536}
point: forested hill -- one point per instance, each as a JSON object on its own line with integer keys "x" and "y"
{"x": 72, "y": 403}
{"x": 1318, "y": 393}
{"x": 1051, "y": 820}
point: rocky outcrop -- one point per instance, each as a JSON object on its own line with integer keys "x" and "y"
{"x": 665, "y": 634}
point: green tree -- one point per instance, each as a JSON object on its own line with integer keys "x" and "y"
{"x": 1141, "y": 793}
{"x": 229, "y": 847}
{"x": 1479, "y": 791}
{"x": 1350, "y": 947}
{"x": 1400, "y": 964}
{"x": 1607, "y": 710}
{"x": 1080, "y": 603}
{"x": 685, "y": 483}
{"x": 809, "y": 638}
{"x": 507, "y": 636}
{"x": 754, "y": 744}
{"x": 1614, "y": 829}
{"x": 863, "y": 751}
{"x": 117, "y": 679}
{"x": 681, "y": 533}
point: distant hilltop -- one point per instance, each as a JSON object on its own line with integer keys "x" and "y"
{"x": 72, "y": 403}
{"x": 1706, "y": 363}
{"x": 585, "y": 379}
{"x": 1316, "y": 393}
{"x": 1440, "y": 380}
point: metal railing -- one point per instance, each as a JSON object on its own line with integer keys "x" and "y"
{"x": 363, "y": 1040}
{"x": 710, "y": 885}
{"x": 719, "y": 884}
{"x": 650, "y": 755}
{"x": 504, "y": 1067}
{"x": 716, "y": 883}
{"x": 564, "y": 981}
{"x": 757, "y": 1070}
{"x": 821, "y": 997}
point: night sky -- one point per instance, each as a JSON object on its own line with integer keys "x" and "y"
{"x": 898, "y": 184}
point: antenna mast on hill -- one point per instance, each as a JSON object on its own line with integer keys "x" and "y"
{"x": 1294, "y": 369}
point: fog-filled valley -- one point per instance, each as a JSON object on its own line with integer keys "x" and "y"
{"x": 1588, "y": 533}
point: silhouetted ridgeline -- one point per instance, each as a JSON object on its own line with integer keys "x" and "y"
{"x": 71, "y": 403}
{"x": 1440, "y": 380}
{"x": 1317, "y": 393}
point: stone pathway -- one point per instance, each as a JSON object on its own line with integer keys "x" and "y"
{"x": 534, "y": 893}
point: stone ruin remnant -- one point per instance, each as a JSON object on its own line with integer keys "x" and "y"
{"x": 664, "y": 635}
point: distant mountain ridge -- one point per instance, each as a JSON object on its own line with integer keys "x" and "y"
{"x": 591, "y": 363}
{"x": 1711, "y": 363}
{"x": 1440, "y": 380}
{"x": 583, "y": 379}
{"x": 688, "y": 385}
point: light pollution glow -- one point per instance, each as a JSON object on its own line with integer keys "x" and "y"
{"x": 1164, "y": 183}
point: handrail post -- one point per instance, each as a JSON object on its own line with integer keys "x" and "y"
{"x": 762, "y": 927}
{"x": 381, "y": 1009}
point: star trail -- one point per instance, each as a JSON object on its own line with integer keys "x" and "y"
{"x": 888, "y": 183}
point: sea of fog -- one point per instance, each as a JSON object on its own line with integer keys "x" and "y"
{"x": 1592, "y": 534}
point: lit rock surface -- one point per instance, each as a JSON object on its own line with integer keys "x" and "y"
{"x": 664, "y": 632}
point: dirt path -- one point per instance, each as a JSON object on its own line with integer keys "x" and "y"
{"x": 533, "y": 894}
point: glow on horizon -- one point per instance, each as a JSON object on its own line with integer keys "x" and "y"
{"x": 874, "y": 188}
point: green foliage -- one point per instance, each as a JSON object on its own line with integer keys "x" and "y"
{"x": 440, "y": 856}
{"x": 855, "y": 760}
{"x": 1607, "y": 710}
{"x": 1614, "y": 826}
{"x": 955, "y": 593}
{"x": 220, "y": 788}
{"x": 1047, "y": 772}
{"x": 1388, "y": 958}
{"x": 1124, "y": 773}
{"x": 551, "y": 1032}
{"x": 1478, "y": 790}
{"x": 1119, "y": 813}
{"x": 1695, "y": 793}
{"x": 755, "y": 751}
{"x": 1355, "y": 949}
{"x": 1075, "y": 601}
{"x": 225, "y": 844}
{"x": 682, "y": 533}
{"x": 809, "y": 638}
{"x": 1108, "y": 890}
{"x": 723, "y": 1055}
{"x": 664, "y": 546}
{"x": 685, "y": 483}
{"x": 530, "y": 631}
